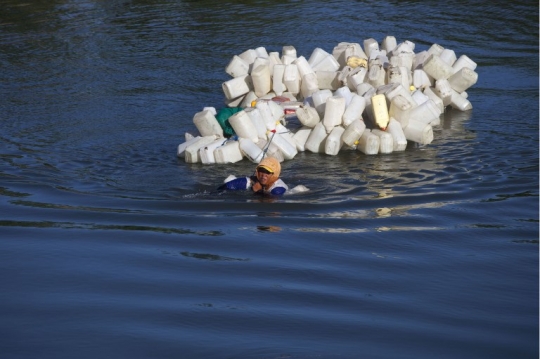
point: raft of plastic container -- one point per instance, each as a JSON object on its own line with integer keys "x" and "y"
{"x": 373, "y": 97}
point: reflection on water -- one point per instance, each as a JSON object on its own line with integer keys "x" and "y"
{"x": 212, "y": 257}
{"x": 332, "y": 230}
{"x": 403, "y": 228}
{"x": 384, "y": 212}
{"x": 101, "y": 227}
{"x": 269, "y": 228}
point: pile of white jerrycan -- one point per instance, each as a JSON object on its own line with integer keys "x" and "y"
{"x": 374, "y": 98}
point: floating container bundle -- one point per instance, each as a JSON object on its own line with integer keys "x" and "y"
{"x": 369, "y": 96}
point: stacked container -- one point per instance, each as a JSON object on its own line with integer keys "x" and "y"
{"x": 370, "y": 96}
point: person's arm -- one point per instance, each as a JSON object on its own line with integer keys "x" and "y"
{"x": 278, "y": 191}
{"x": 242, "y": 183}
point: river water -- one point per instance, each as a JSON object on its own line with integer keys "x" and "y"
{"x": 112, "y": 247}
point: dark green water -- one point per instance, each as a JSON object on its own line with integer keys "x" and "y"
{"x": 112, "y": 247}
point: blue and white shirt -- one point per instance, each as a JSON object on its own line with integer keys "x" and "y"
{"x": 244, "y": 183}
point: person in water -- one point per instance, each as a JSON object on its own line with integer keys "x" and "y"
{"x": 265, "y": 181}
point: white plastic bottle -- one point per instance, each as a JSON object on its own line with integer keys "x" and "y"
{"x": 266, "y": 114}
{"x": 228, "y": 153}
{"x": 426, "y": 112}
{"x": 317, "y": 56}
{"x": 400, "y": 141}
{"x": 368, "y": 143}
{"x": 354, "y": 110}
{"x": 435, "y": 67}
{"x": 206, "y": 153}
{"x": 237, "y": 87}
{"x": 419, "y": 132}
{"x": 255, "y": 114}
{"x": 207, "y": 124}
{"x": 309, "y": 85}
{"x": 335, "y": 107}
{"x": 191, "y": 154}
{"x": 262, "y": 83}
{"x": 463, "y": 61}
{"x": 301, "y": 136}
{"x": 319, "y": 100}
{"x": 243, "y": 126}
{"x": 315, "y": 141}
{"x": 386, "y": 141}
{"x": 428, "y": 91}
{"x": 328, "y": 80}
{"x": 237, "y": 67}
{"x": 291, "y": 79}
{"x": 277, "y": 79}
{"x": 345, "y": 92}
{"x": 303, "y": 65}
{"x": 308, "y": 116}
{"x": 400, "y": 110}
{"x": 285, "y": 133}
{"x": 289, "y": 151}
{"x": 328, "y": 63}
{"x": 251, "y": 150}
{"x": 463, "y": 79}
{"x": 444, "y": 91}
{"x": 181, "y": 150}
{"x": 460, "y": 102}
{"x": 334, "y": 142}
{"x": 353, "y": 132}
